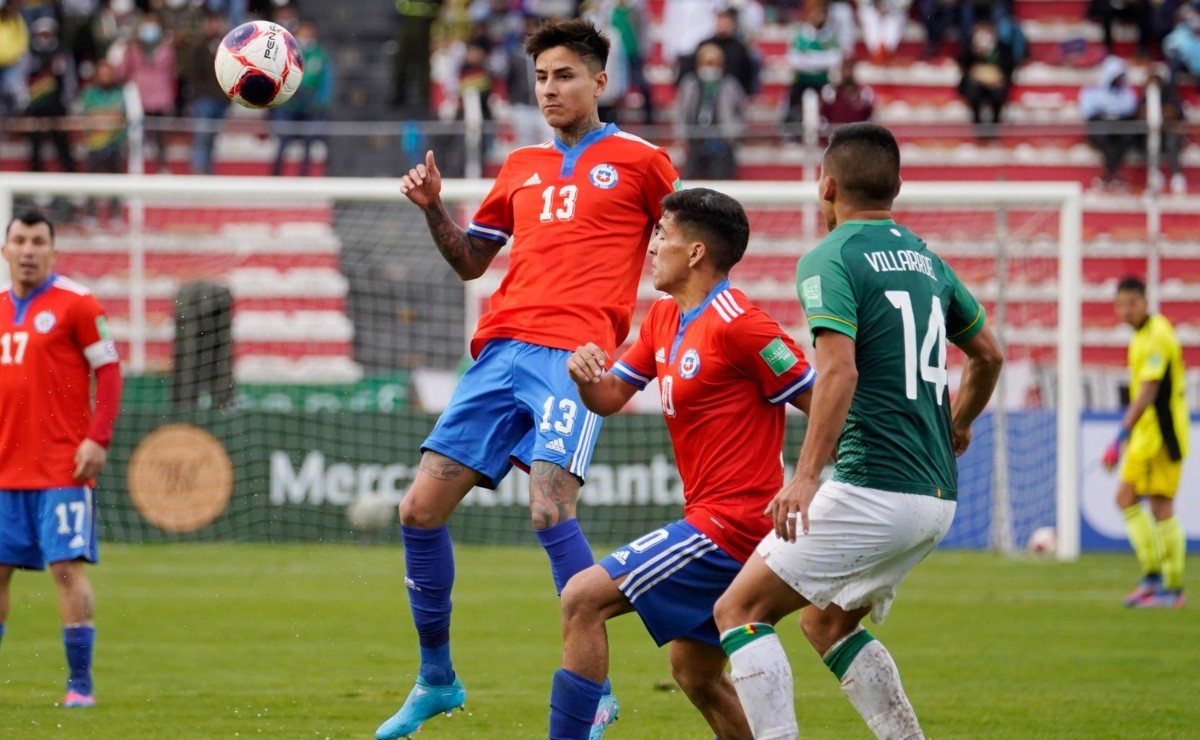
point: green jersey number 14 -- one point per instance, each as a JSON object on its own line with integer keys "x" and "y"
{"x": 931, "y": 360}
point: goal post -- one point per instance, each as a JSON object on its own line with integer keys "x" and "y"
{"x": 323, "y": 300}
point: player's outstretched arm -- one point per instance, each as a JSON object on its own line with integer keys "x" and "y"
{"x": 837, "y": 378}
{"x": 984, "y": 360}
{"x": 602, "y": 392}
{"x": 468, "y": 255}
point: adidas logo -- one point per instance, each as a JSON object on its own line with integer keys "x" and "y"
{"x": 557, "y": 446}
{"x": 535, "y": 180}
{"x": 660, "y": 355}
{"x": 621, "y": 556}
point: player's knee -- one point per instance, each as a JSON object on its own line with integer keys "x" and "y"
{"x": 728, "y": 613}
{"x": 822, "y": 630}
{"x": 418, "y": 516}
{"x": 581, "y": 601}
{"x": 576, "y": 602}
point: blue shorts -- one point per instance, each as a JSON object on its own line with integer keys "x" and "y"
{"x": 47, "y": 526}
{"x": 516, "y": 404}
{"x": 673, "y": 578}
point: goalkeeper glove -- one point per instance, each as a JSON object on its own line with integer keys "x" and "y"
{"x": 1112, "y": 454}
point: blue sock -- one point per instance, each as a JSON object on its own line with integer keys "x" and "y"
{"x": 78, "y": 642}
{"x": 568, "y": 550}
{"x": 573, "y": 703}
{"x": 1, "y": 632}
{"x": 429, "y": 575}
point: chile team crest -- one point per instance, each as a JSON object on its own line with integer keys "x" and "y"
{"x": 604, "y": 176}
{"x": 44, "y": 322}
{"x": 689, "y": 364}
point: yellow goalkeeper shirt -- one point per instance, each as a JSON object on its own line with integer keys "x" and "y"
{"x": 1155, "y": 354}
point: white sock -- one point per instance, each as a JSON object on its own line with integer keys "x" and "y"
{"x": 763, "y": 679}
{"x": 872, "y": 684}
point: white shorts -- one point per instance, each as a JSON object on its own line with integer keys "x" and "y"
{"x": 861, "y": 542}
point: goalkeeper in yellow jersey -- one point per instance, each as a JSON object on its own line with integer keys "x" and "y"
{"x": 1154, "y": 432}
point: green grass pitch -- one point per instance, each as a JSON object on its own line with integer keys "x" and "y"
{"x": 229, "y": 640}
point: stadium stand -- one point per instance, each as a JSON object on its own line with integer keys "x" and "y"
{"x": 294, "y": 314}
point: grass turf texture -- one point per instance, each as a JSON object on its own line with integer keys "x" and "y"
{"x": 235, "y": 640}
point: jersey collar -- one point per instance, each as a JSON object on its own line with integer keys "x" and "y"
{"x": 686, "y": 319}
{"x": 572, "y": 154}
{"x": 22, "y": 304}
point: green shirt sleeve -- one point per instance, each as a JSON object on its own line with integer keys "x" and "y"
{"x": 826, "y": 292}
{"x": 965, "y": 317}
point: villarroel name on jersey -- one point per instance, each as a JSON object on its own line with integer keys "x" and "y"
{"x": 901, "y": 260}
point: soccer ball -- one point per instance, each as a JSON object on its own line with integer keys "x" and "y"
{"x": 259, "y": 64}
{"x": 1043, "y": 542}
{"x": 371, "y": 511}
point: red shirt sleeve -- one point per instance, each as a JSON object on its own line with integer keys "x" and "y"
{"x": 494, "y": 219}
{"x": 661, "y": 181}
{"x": 108, "y": 403}
{"x": 768, "y": 355}
{"x": 637, "y": 366}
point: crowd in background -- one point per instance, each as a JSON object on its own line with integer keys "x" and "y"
{"x": 72, "y": 57}
{"x": 64, "y": 66}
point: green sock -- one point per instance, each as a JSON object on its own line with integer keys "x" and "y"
{"x": 1144, "y": 537}
{"x": 1174, "y": 551}
{"x": 739, "y": 637}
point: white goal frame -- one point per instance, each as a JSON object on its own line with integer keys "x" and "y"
{"x": 1064, "y": 197}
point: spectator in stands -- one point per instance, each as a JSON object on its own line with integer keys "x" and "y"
{"x": 310, "y": 105}
{"x": 1108, "y": 107}
{"x": 1181, "y": 47}
{"x": 52, "y": 85}
{"x": 841, "y": 20}
{"x": 813, "y": 55}
{"x": 846, "y": 100}
{"x": 630, "y": 23}
{"x": 882, "y": 23}
{"x": 77, "y": 35}
{"x": 1174, "y": 131}
{"x": 689, "y": 22}
{"x": 938, "y": 17}
{"x": 708, "y": 115}
{"x": 149, "y": 62}
{"x": 102, "y": 104}
{"x": 1137, "y": 12}
{"x": 234, "y": 10}
{"x": 741, "y": 61}
{"x": 987, "y": 63}
{"x": 115, "y": 22}
{"x": 205, "y": 101}
{"x": 412, "y": 69}
{"x": 14, "y": 45}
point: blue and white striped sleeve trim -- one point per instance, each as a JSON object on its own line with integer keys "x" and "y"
{"x": 803, "y": 383}
{"x": 488, "y": 232}
{"x": 629, "y": 375}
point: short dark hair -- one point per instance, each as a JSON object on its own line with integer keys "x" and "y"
{"x": 864, "y": 159}
{"x": 713, "y": 218}
{"x": 32, "y": 217}
{"x": 576, "y": 34}
{"x": 1131, "y": 284}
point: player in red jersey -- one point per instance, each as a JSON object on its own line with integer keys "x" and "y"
{"x": 579, "y": 210}
{"x": 53, "y": 338}
{"x": 725, "y": 370}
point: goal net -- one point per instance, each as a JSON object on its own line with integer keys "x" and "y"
{"x": 288, "y": 343}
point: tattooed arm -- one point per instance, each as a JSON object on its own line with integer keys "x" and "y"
{"x": 468, "y": 255}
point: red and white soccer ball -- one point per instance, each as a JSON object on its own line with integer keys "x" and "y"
{"x": 1043, "y": 542}
{"x": 259, "y": 64}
